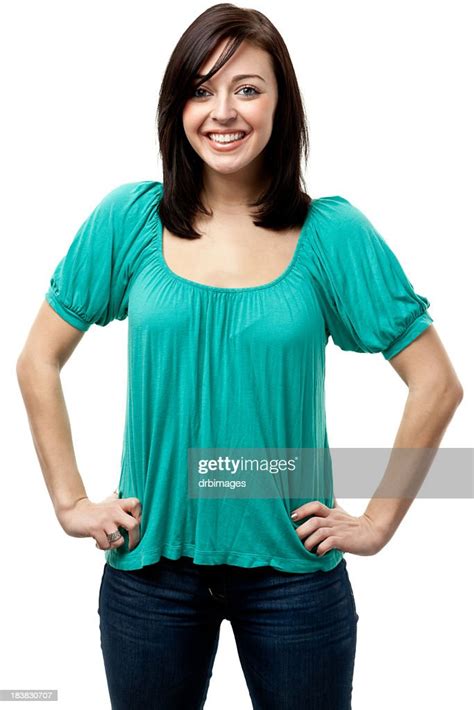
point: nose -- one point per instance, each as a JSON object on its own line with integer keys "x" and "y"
{"x": 223, "y": 110}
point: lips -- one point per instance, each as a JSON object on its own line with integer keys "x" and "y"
{"x": 227, "y": 133}
{"x": 224, "y": 147}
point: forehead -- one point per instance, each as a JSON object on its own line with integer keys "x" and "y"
{"x": 247, "y": 59}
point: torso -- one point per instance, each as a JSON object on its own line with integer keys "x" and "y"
{"x": 232, "y": 255}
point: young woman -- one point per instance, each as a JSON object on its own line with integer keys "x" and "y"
{"x": 232, "y": 279}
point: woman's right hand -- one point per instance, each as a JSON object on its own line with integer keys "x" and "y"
{"x": 88, "y": 519}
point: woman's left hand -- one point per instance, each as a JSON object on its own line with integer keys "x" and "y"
{"x": 334, "y": 528}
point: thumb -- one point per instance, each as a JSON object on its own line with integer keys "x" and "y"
{"x": 113, "y": 496}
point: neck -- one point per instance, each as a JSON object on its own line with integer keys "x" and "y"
{"x": 230, "y": 194}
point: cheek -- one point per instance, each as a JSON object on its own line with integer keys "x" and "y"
{"x": 261, "y": 116}
{"x": 191, "y": 118}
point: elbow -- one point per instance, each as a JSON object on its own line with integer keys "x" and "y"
{"x": 453, "y": 391}
{"x": 26, "y": 368}
{"x": 458, "y": 392}
{"x": 23, "y": 372}
{"x": 21, "y": 375}
{"x": 449, "y": 393}
{"x": 454, "y": 397}
{"x": 23, "y": 363}
{"x": 452, "y": 394}
{"x": 32, "y": 361}
{"x": 20, "y": 367}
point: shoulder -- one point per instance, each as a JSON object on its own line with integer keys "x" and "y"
{"x": 339, "y": 227}
{"x": 123, "y": 214}
{"x": 336, "y": 213}
{"x": 132, "y": 196}
{"x": 117, "y": 226}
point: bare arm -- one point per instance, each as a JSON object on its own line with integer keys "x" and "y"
{"x": 435, "y": 392}
{"x": 50, "y": 343}
{"x": 434, "y": 395}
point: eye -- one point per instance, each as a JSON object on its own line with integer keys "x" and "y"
{"x": 200, "y": 96}
{"x": 252, "y": 89}
{"x": 193, "y": 94}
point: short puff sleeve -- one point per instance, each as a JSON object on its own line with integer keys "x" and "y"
{"x": 368, "y": 301}
{"x": 90, "y": 283}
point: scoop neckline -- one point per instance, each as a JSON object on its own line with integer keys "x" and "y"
{"x": 232, "y": 289}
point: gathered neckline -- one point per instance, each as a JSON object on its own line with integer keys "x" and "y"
{"x": 158, "y": 234}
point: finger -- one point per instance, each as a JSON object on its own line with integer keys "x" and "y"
{"x": 99, "y": 543}
{"x": 113, "y": 529}
{"x": 317, "y": 538}
{"x": 132, "y": 525}
{"x": 102, "y": 541}
{"x": 314, "y": 507}
{"x": 308, "y": 527}
{"x": 131, "y": 519}
{"x": 327, "y": 545}
{"x": 131, "y": 505}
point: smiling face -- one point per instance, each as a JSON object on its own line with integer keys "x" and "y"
{"x": 234, "y": 101}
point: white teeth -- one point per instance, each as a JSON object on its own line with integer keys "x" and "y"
{"x": 228, "y": 138}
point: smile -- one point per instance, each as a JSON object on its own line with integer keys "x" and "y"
{"x": 225, "y": 145}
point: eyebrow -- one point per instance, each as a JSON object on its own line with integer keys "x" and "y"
{"x": 238, "y": 77}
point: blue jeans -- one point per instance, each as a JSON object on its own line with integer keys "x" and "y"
{"x": 295, "y": 634}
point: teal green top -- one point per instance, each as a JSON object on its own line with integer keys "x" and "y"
{"x": 229, "y": 368}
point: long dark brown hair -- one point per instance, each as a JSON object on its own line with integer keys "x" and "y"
{"x": 284, "y": 204}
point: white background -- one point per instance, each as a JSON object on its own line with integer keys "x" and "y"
{"x": 388, "y": 94}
